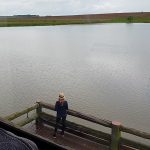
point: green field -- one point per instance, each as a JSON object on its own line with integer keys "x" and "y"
{"x": 43, "y": 21}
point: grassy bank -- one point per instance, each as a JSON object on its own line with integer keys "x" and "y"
{"x": 134, "y": 20}
{"x": 79, "y": 19}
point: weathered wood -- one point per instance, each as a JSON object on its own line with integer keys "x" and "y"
{"x": 114, "y": 141}
{"x": 38, "y": 109}
{"x": 135, "y": 132}
{"x": 18, "y": 114}
{"x": 38, "y": 112}
{"x": 78, "y": 130}
{"x": 78, "y": 127}
{"x": 102, "y": 122}
{"x": 133, "y": 144}
{"x": 39, "y": 140}
{"x": 27, "y": 120}
{"x": 124, "y": 147}
{"x": 90, "y": 118}
{"x": 115, "y": 136}
{"x": 79, "y": 134}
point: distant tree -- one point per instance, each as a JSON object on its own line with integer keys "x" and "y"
{"x": 130, "y": 19}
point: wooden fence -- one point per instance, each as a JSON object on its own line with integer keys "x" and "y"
{"x": 113, "y": 140}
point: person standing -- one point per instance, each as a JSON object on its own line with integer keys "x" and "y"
{"x": 61, "y": 107}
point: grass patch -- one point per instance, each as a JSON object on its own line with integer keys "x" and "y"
{"x": 46, "y": 22}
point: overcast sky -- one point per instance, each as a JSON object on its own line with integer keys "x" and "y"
{"x": 71, "y": 7}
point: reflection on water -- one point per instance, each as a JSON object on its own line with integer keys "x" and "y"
{"x": 103, "y": 69}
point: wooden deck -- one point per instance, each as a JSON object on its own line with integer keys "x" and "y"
{"x": 69, "y": 140}
{"x": 77, "y": 136}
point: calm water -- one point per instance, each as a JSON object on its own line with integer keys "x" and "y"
{"x": 103, "y": 69}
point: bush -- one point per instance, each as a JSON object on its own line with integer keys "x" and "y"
{"x": 130, "y": 19}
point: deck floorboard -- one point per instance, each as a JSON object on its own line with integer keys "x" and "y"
{"x": 69, "y": 140}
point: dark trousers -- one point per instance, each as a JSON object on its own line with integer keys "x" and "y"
{"x": 63, "y": 122}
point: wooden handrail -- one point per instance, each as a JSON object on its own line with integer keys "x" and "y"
{"x": 79, "y": 130}
{"x": 90, "y": 118}
{"x": 116, "y": 128}
{"x": 27, "y": 120}
{"x": 134, "y": 144}
{"x": 102, "y": 122}
{"x": 135, "y": 132}
{"x": 18, "y": 114}
{"x": 40, "y": 141}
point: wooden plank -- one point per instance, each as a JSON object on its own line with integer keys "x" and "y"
{"x": 90, "y": 118}
{"x": 79, "y": 130}
{"x": 39, "y": 140}
{"x": 18, "y": 114}
{"x": 80, "y": 134}
{"x": 78, "y": 127}
{"x": 135, "y": 132}
{"x": 27, "y": 120}
{"x": 133, "y": 144}
{"x": 71, "y": 140}
{"x": 103, "y": 122}
{"x": 124, "y": 147}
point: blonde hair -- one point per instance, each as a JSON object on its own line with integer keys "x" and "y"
{"x": 61, "y": 96}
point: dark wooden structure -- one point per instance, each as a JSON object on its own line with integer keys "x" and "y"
{"x": 42, "y": 143}
{"x": 77, "y": 132}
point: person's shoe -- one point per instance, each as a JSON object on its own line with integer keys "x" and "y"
{"x": 54, "y": 135}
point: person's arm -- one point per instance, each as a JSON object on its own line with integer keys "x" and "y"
{"x": 56, "y": 106}
{"x": 66, "y": 105}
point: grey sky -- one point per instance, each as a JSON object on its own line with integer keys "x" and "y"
{"x": 71, "y": 7}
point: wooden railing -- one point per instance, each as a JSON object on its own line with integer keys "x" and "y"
{"x": 40, "y": 141}
{"x": 113, "y": 140}
{"x": 24, "y": 112}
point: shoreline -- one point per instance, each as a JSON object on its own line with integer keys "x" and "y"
{"x": 34, "y": 20}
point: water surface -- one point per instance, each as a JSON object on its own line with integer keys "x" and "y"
{"x": 103, "y": 69}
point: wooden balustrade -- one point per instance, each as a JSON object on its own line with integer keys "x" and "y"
{"x": 113, "y": 140}
{"x": 18, "y": 114}
{"x": 116, "y": 140}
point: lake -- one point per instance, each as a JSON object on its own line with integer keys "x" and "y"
{"x": 103, "y": 69}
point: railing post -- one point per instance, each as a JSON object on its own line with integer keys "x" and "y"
{"x": 115, "y": 135}
{"x": 38, "y": 112}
